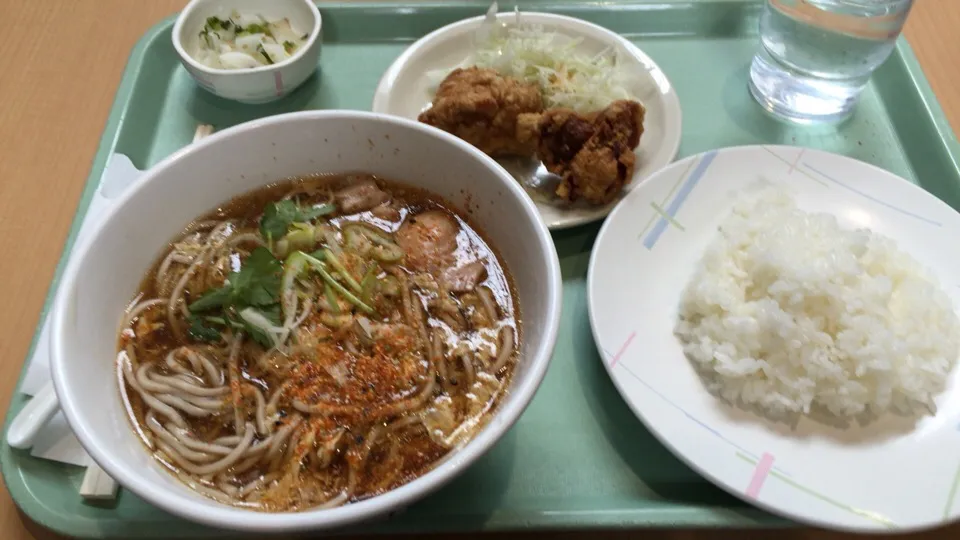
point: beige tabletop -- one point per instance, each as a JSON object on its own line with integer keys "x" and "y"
{"x": 60, "y": 63}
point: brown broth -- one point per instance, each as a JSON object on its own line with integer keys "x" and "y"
{"x": 339, "y": 411}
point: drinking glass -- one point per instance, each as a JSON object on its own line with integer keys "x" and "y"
{"x": 818, "y": 55}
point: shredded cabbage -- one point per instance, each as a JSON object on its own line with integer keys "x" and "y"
{"x": 566, "y": 77}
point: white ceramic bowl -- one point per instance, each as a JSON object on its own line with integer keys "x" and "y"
{"x": 107, "y": 267}
{"x": 260, "y": 84}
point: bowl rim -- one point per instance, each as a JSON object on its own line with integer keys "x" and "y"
{"x": 194, "y": 5}
{"x": 226, "y": 517}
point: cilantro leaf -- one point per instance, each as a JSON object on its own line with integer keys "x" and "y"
{"x": 258, "y": 281}
{"x": 213, "y": 298}
{"x": 256, "y": 285}
{"x": 257, "y": 331}
{"x": 309, "y": 214}
{"x": 200, "y": 331}
{"x": 272, "y": 313}
{"x": 258, "y": 335}
{"x": 278, "y": 216}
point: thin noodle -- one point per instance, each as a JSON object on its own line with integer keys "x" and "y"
{"x": 259, "y": 447}
{"x": 246, "y": 464}
{"x": 402, "y": 423}
{"x": 451, "y": 322}
{"x": 275, "y": 398}
{"x": 140, "y": 308}
{"x": 212, "y": 404}
{"x": 438, "y": 360}
{"x": 506, "y": 349}
{"x": 291, "y": 447}
{"x": 213, "y": 374}
{"x": 307, "y": 308}
{"x": 289, "y": 313}
{"x": 251, "y": 486}
{"x": 189, "y": 378}
{"x": 418, "y": 315}
{"x": 131, "y": 354}
{"x": 182, "y": 283}
{"x": 184, "y": 386}
{"x": 253, "y": 238}
{"x": 281, "y": 436}
{"x": 148, "y": 384}
{"x": 172, "y": 441}
{"x": 216, "y": 466}
{"x": 184, "y": 437}
{"x": 199, "y": 363}
{"x": 203, "y": 489}
{"x": 467, "y": 360}
{"x": 234, "y": 371}
{"x": 177, "y": 292}
{"x": 149, "y": 400}
{"x": 161, "y": 278}
{"x": 262, "y": 427}
{"x": 228, "y": 439}
{"x": 199, "y": 226}
{"x": 181, "y": 404}
{"x": 489, "y": 305}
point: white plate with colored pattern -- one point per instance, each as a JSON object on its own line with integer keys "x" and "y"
{"x": 405, "y": 90}
{"x": 894, "y": 473}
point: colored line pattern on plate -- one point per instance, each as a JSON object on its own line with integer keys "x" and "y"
{"x": 952, "y": 496}
{"x": 793, "y": 166}
{"x": 871, "y": 197}
{"x": 872, "y": 516}
{"x": 765, "y": 469}
{"x": 673, "y": 190}
{"x": 760, "y": 475}
{"x": 623, "y": 348}
{"x": 682, "y": 194}
{"x": 663, "y": 213}
{"x": 679, "y": 408}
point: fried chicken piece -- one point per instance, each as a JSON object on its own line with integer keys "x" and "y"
{"x": 593, "y": 155}
{"x": 481, "y": 107}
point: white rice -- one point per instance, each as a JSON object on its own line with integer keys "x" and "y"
{"x": 786, "y": 310}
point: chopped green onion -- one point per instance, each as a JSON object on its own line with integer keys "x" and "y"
{"x": 347, "y": 295}
{"x": 301, "y": 237}
{"x": 331, "y": 298}
{"x": 360, "y": 236}
{"x": 366, "y": 285}
{"x": 339, "y": 267}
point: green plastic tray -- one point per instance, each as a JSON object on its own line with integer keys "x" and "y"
{"x": 578, "y": 458}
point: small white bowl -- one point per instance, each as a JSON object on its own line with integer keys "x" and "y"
{"x": 107, "y": 267}
{"x": 254, "y": 85}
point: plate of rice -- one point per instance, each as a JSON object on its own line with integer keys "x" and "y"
{"x": 785, "y": 321}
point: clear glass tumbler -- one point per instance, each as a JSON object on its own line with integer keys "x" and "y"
{"x": 818, "y": 55}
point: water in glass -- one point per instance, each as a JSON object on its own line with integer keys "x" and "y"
{"x": 817, "y": 55}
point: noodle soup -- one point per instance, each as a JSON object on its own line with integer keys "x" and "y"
{"x": 317, "y": 342}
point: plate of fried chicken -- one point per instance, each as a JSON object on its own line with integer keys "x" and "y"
{"x": 578, "y": 114}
